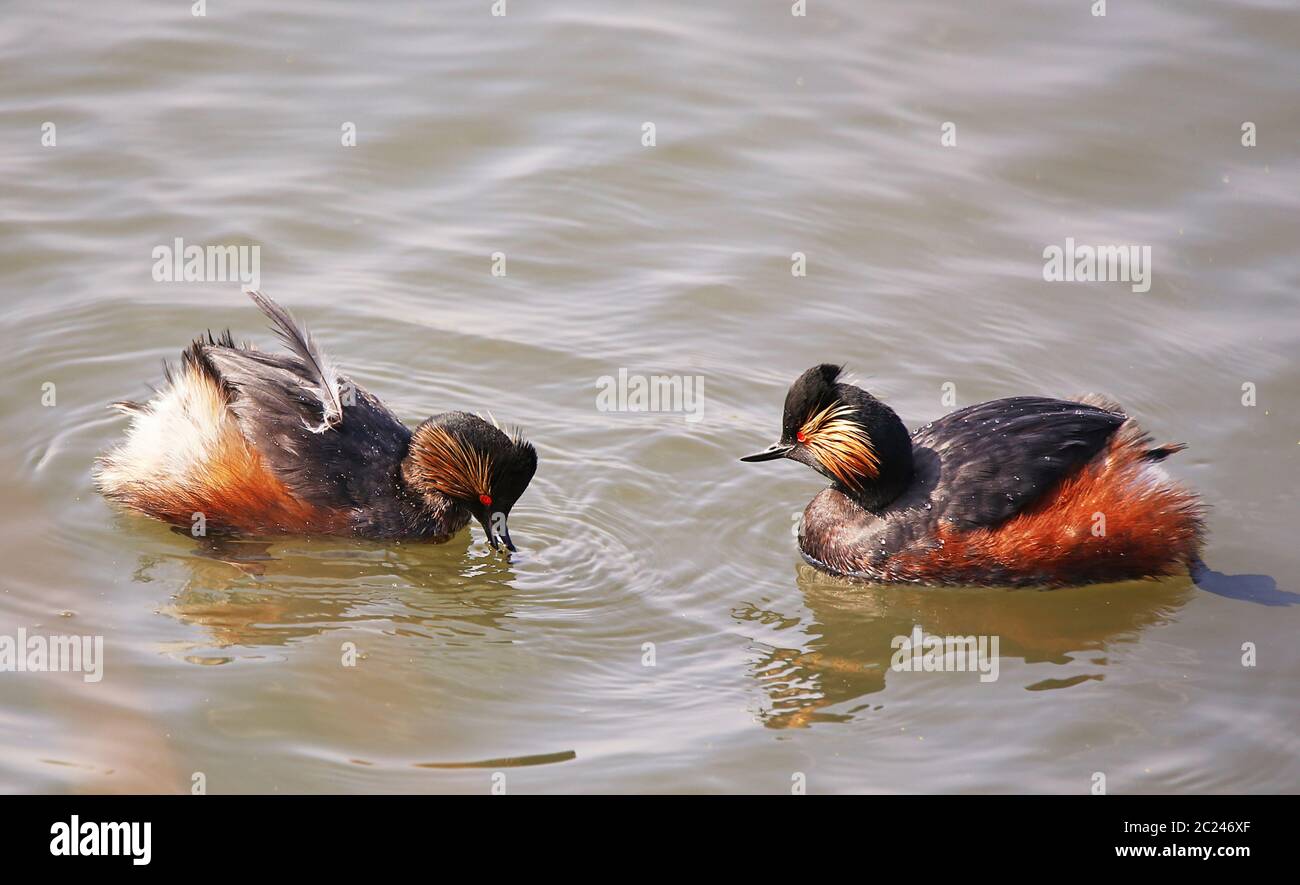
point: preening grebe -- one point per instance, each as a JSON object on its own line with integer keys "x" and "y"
{"x": 273, "y": 444}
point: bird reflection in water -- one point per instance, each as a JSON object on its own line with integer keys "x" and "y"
{"x": 258, "y": 594}
{"x": 843, "y": 644}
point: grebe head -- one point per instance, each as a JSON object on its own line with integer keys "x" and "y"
{"x": 845, "y": 434}
{"x": 475, "y": 464}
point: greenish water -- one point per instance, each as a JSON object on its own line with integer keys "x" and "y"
{"x": 522, "y": 135}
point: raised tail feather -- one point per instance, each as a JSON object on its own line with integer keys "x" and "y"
{"x": 1160, "y": 453}
{"x": 1135, "y": 434}
{"x": 323, "y": 374}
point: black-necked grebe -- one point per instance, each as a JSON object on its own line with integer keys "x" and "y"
{"x": 269, "y": 444}
{"x": 1021, "y": 491}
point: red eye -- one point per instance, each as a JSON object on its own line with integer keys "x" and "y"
{"x": 800, "y": 436}
{"x": 486, "y": 500}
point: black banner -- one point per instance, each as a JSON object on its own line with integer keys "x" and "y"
{"x": 333, "y": 833}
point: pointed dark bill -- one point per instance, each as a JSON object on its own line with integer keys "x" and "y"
{"x": 492, "y": 537}
{"x": 771, "y": 453}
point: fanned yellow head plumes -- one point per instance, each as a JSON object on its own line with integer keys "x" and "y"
{"x": 841, "y": 445}
{"x": 442, "y": 460}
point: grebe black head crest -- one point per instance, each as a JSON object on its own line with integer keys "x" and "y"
{"x": 845, "y": 434}
{"x": 475, "y": 464}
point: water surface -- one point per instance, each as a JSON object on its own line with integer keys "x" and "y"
{"x": 774, "y": 135}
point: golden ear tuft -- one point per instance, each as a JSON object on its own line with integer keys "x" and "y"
{"x": 841, "y": 445}
{"x": 443, "y": 461}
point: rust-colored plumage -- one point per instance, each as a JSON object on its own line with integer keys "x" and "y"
{"x": 236, "y": 491}
{"x": 189, "y": 457}
{"x": 1108, "y": 521}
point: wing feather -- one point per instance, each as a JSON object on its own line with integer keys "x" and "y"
{"x": 996, "y": 458}
{"x": 319, "y": 370}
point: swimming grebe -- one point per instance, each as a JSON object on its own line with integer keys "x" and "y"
{"x": 1013, "y": 492}
{"x": 267, "y": 444}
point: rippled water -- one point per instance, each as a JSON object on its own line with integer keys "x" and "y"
{"x": 774, "y": 134}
